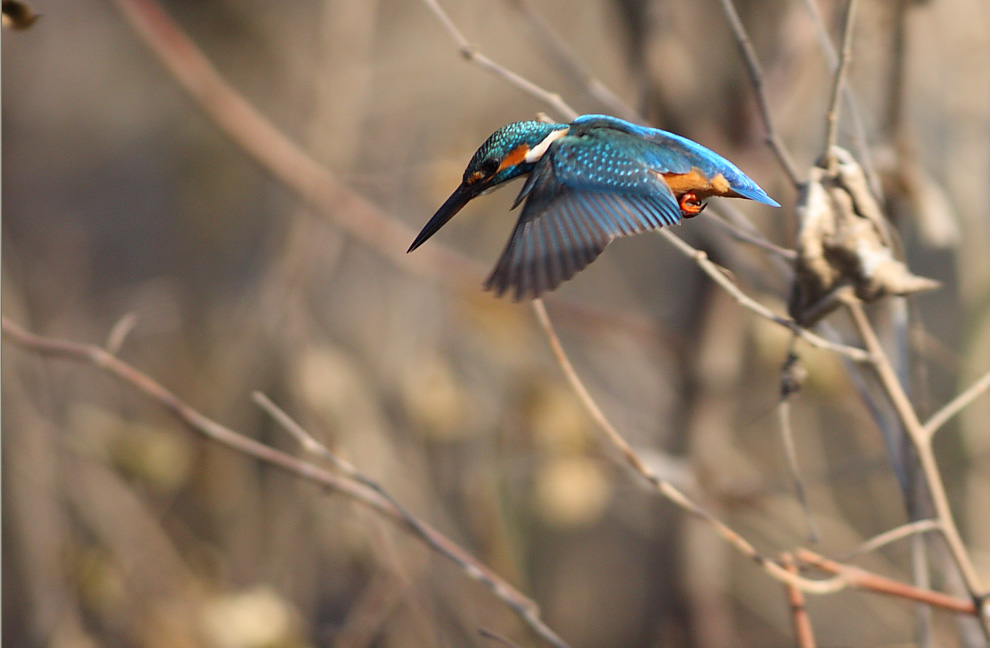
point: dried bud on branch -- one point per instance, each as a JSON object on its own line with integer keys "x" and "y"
{"x": 18, "y": 15}
{"x": 844, "y": 240}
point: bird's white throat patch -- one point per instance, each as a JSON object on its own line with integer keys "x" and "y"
{"x": 537, "y": 151}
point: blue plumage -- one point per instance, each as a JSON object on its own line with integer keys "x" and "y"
{"x": 588, "y": 182}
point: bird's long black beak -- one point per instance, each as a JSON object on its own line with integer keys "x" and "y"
{"x": 461, "y": 196}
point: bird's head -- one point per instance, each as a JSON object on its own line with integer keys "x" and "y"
{"x": 510, "y": 152}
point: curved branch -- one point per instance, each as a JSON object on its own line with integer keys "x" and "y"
{"x": 370, "y": 496}
{"x": 756, "y": 77}
{"x": 957, "y": 404}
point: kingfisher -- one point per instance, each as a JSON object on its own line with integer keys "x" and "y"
{"x": 587, "y": 183}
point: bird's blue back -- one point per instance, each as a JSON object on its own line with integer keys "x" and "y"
{"x": 667, "y": 152}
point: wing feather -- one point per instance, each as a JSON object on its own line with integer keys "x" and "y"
{"x": 569, "y": 218}
{"x": 578, "y": 198}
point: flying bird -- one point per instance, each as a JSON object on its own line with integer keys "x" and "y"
{"x": 588, "y": 182}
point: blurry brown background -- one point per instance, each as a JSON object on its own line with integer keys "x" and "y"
{"x": 121, "y": 528}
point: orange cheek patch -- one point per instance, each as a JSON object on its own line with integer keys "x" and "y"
{"x": 514, "y": 157}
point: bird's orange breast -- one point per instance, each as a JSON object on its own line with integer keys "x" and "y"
{"x": 695, "y": 181}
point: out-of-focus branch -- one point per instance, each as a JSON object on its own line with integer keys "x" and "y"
{"x": 864, "y": 580}
{"x": 272, "y": 149}
{"x": 804, "y": 635}
{"x": 756, "y": 77}
{"x": 742, "y": 230}
{"x": 859, "y": 130}
{"x": 921, "y": 440}
{"x": 568, "y": 60}
{"x": 790, "y": 450}
{"x": 119, "y": 332}
{"x": 832, "y": 116}
{"x": 371, "y": 496}
{"x": 893, "y": 535}
{"x": 521, "y": 605}
{"x": 667, "y": 489}
{"x": 957, "y": 404}
{"x": 713, "y": 271}
{"x": 471, "y": 53}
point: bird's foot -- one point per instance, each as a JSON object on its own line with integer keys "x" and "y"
{"x": 690, "y": 205}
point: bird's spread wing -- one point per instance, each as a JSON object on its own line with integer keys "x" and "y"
{"x": 583, "y": 193}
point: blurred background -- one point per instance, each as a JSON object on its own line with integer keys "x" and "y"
{"x": 121, "y": 198}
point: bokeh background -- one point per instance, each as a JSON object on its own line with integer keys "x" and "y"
{"x": 122, "y": 199}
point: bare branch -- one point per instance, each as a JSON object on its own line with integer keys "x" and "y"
{"x": 895, "y": 534}
{"x": 119, "y": 332}
{"x": 370, "y": 496}
{"x": 803, "y": 632}
{"x": 859, "y": 130}
{"x": 568, "y": 59}
{"x": 713, "y": 271}
{"x": 921, "y": 440}
{"x": 864, "y": 580}
{"x": 197, "y": 422}
{"x": 613, "y": 436}
{"x": 257, "y": 136}
{"x": 756, "y": 77}
{"x": 832, "y": 116}
{"x": 957, "y": 405}
{"x": 742, "y": 230}
{"x": 787, "y": 435}
{"x": 664, "y": 487}
{"x": 471, "y": 53}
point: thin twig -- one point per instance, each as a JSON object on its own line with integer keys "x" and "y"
{"x": 471, "y": 53}
{"x": 957, "y": 404}
{"x": 832, "y": 116}
{"x": 520, "y": 604}
{"x": 282, "y": 157}
{"x": 803, "y": 632}
{"x": 891, "y": 536}
{"x": 861, "y": 579}
{"x": 664, "y": 487}
{"x": 787, "y": 434}
{"x": 119, "y": 332}
{"x": 568, "y": 59}
{"x": 921, "y": 440}
{"x": 613, "y": 436}
{"x": 858, "y": 129}
{"x": 360, "y": 492}
{"x": 713, "y": 271}
{"x": 742, "y": 230}
{"x": 756, "y": 77}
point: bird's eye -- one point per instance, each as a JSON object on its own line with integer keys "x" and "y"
{"x": 490, "y": 167}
